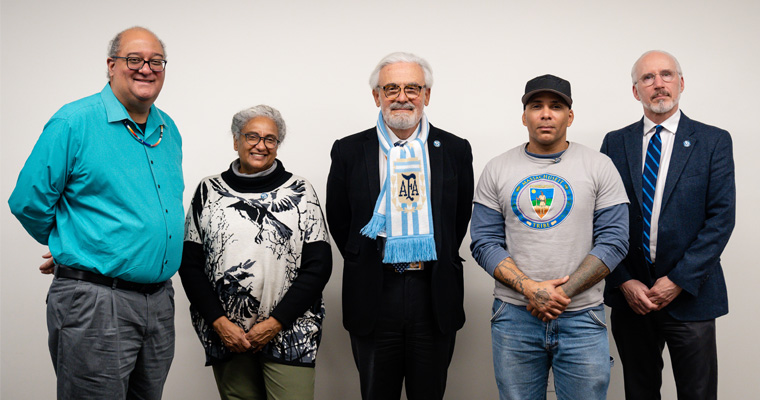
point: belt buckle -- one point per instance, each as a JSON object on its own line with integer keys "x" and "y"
{"x": 416, "y": 266}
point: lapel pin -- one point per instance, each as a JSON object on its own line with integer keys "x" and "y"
{"x": 437, "y": 143}
{"x": 686, "y": 143}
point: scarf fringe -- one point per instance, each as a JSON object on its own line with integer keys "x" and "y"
{"x": 374, "y": 227}
{"x": 406, "y": 249}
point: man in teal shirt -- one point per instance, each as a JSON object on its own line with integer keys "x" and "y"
{"x": 103, "y": 189}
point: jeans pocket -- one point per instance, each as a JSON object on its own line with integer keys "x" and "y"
{"x": 596, "y": 318}
{"x": 499, "y": 310}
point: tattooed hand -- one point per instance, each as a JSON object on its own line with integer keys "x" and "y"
{"x": 546, "y": 300}
{"x": 591, "y": 271}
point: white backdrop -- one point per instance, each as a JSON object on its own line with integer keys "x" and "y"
{"x": 311, "y": 60}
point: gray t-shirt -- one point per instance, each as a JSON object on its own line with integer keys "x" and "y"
{"x": 548, "y": 207}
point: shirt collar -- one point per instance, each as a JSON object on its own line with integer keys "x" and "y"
{"x": 670, "y": 124}
{"x": 547, "y": 156}
{"x": 394, "y": 138}
{"x": 116, "y": 112}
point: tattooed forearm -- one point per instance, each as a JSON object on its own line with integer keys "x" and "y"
{"x": 508, "y": 273}
{"x": 589, "y": 273}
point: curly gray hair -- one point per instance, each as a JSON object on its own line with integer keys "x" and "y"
{"x": 244, "y": 116}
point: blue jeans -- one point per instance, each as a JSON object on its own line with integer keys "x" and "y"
{"x": 575, "y": 346}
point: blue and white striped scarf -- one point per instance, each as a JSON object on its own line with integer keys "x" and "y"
{"x": 403, "y": 208}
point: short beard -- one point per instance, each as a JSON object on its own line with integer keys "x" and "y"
{"x": 663, "y": 106}
{"x": 403, "y": 121}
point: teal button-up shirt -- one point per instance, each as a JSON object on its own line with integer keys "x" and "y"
{"x": 98, "y": 198}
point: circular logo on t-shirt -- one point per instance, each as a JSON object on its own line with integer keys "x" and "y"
{"x": 542, "y": 201}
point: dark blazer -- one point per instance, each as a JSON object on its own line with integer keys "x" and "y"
{"x": 352, "y": 189}
{"x": 696, "y": 217}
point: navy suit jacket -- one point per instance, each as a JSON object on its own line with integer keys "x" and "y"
{"x": 352, "y": 189}
{"x": 696, "y": 217}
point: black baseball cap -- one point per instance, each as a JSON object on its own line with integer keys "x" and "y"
{"x": 548, "y": 83}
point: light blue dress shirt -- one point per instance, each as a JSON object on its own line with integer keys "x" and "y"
{"x": 102, "y": 201}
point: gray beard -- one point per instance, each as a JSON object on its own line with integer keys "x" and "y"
{"x": 401, "y": 121}
{"x": 662, "y": 106}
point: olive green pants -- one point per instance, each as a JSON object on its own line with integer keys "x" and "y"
{"x": 248, "y": 376}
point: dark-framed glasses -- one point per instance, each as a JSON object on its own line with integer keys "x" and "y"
{"x": 253, "y": 139}
{"x": 666, "y": 76}
{"x": 392, "y": 90}
{"x": 136, "y": 63}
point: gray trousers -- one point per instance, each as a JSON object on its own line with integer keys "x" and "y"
{"x": 109, "y": 343}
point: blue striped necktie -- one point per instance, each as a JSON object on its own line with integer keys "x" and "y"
{"x": 648, "y": 185}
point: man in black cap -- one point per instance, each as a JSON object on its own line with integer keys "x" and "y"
{"x": 550, "y": 221}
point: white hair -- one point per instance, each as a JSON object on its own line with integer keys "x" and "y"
{"x": 240, "y": 119}
{"x": 401, "y": 57}
{"x": 635, "y": 78}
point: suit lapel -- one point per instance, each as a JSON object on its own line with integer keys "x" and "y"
{"x": 679, "y": 156}
{"x": 371, "y": 157}
{"x": 633, "y": 141}
{"x": 436, "y": 177}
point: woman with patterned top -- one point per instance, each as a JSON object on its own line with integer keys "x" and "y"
{"x": 256, "y": 258}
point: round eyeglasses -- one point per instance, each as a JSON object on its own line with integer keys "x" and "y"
{"x": 253, "y": 139}
{"x": 393, "y": 90}
{"x": 136, "y": 63}
{"x": 666, "y": 76}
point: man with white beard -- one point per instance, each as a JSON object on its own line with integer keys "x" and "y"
{"x": 679, "y": 176}
{"x": 398, "y": 204}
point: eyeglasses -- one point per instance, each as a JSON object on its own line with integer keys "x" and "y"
{"x": 136, "y": 63}
{"x": 392, "y": 91}
{"x": 666, "y": 76}
{"x": 253, "y": 139}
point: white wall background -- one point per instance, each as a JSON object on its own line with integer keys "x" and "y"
{"x": 311, "y": 60}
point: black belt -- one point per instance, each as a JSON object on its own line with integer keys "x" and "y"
{"x": 63, "y": 271}
{"x": 415, "y": 266}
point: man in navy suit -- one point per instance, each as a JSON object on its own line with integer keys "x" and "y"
{"x": 399, "y": 232}
{"x": 670, "y": 287}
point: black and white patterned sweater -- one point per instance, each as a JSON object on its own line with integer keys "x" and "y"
{"x": 257, "y": 247}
